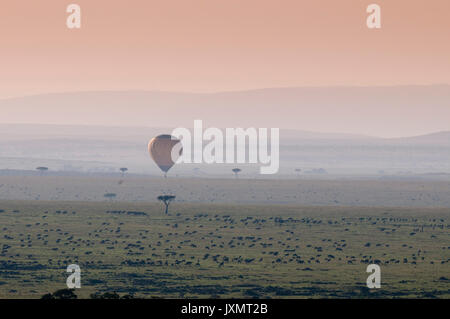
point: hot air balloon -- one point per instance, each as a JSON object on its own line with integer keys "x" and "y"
{"x": 161, "y": 149}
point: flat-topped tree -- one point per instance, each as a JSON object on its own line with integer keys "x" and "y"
{"x": 123, "y": 170}
{"x": 166, "y": 200}
{"x": 236, "y": 171}
{"x": 42, "y": 169}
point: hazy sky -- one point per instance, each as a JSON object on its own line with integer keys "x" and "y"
{"x": 217, "y": 45}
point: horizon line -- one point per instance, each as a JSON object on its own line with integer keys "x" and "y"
{"x": 356, "y": 135}
{"x": 223, "y": 91}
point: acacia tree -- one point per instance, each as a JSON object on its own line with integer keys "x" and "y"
{"x": 42, "y": 169}
{"x": 166, "y": 200}
{"x": 123, "y": 170}
{"x": 236, "y": 171}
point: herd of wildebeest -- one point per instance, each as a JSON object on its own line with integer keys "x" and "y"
{"x": 213, "y": 250}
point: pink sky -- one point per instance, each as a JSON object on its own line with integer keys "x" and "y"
{"x": 216, "y": 45}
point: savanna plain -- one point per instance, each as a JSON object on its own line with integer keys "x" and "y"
{"x": 217, "y": 246}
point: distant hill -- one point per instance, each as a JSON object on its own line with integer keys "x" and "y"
{"x": 124, "y": 133}
{"x": 104, "y": 149}
{"x": 376, "y": 111}
{"x": 34, "y": 132}
{"x": 441, "y": 138}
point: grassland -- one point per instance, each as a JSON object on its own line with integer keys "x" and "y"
{"x": 223, "y": 250}
{"x": 296, "y": 191}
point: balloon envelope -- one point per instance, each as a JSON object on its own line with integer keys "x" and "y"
{"x": 160, "y": 149}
